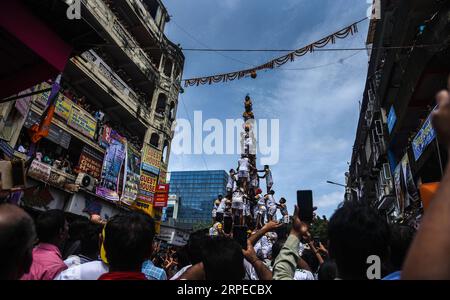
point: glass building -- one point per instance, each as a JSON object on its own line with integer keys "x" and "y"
{"x": 196, "y": 191}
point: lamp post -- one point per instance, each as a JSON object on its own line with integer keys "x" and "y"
{"x": 347, "y": 189}
{"x": 335, "y": 183}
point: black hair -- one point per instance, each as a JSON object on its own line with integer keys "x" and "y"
{"x": 220, "y": 196}
{"x": 357, "y": 231}
{"x": 327, "y": 271}
{"x": 276, "y": 248}
{"x": 77, "y": 228}
{"x": 310, "y": 258}
{"x": 401, "y": 239}
{"x": 195, "y": 244}
{"x": 16, "y": 243}
{"x": 90, "y": 240}
{"x": 223, "y": 259}
{"x": 232, "y": 171}
{"x": 49, "y": 225}
{"x": 272, "y": 192}
{"x": 282, "y": 200}
{"x": 128, "y": 240}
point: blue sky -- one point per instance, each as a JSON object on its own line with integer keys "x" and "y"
{"x": 318, "y": 106}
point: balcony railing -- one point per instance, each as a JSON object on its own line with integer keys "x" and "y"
{"x": 121, "y": 36}
{"x": 145, "y": 16}
{"x": 101, "y": 71}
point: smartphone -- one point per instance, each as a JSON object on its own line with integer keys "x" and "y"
{"x": 240, "y": 235}
{"x": 227, "y": 224}
{"x": 305, "y": 206}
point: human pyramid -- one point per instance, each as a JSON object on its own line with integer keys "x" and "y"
{"x": 245, "y": 205}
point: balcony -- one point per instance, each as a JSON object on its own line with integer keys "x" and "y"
{"x": 121, "y": 45}
{"x": 93, "y": 77}
{"x": 145, "y": 22}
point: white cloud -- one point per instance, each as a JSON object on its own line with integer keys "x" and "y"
{"x": 329, "y": 200}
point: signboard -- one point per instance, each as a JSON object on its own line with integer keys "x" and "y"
{"x": 40, "y": 171}
{"x": 161, "y": 196}
{"x": 405, "y": 185}
{"x": 82, "y": 121}
{"x": 112, "y": 164}
{"x": 90, "y": 162}
{"x": 55, "y": 133}
{"x": 42, "y": 98}
{"x": 63, "y": 107}
{"x": 147, "y": 187}
{"x": 151, "y": 159}
{"x": 105, "y": 136}
{"x": 162, "y": 179}
{"x": 143, "y": 206}
{"x": 391, "y": 119}
{"x": 132, "y": 176}
{"x": 423, "y": 138}
{"x": 6, "y": 148}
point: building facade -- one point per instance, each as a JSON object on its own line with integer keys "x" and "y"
{"x": 196, "y": 192}
{"x": 396, "y": 153}
{"x": 123, "y": 75}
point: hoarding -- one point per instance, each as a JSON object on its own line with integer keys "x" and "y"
{"x": 151, "y": 159}
{"x": 82, "y": 121}
{"x": 423, "y": 138}
{"x": 132, "y": 176}
{"x": 90, "y": 162}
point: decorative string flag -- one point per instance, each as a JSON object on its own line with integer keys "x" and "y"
{"x": 277, "y": 62}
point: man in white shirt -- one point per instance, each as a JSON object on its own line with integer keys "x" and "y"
{"x": 220, "y": 209}
{"x": 88, "y": 271}
{"x": 271, "y": 206}
{"x": 243, "y": 169}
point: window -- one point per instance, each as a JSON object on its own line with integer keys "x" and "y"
{"x": 161, "y": 104}
{"x": 154, "y": 140}
{"x": 165, "y": 149}
{"x": 168, "y": 67}
{"x": 172, "y": 111}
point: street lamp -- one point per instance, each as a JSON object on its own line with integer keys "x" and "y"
{"x": 335, "y": 183}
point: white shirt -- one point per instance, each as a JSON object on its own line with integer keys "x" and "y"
{"x": 238, "y": 197}
{"x": 221, "y": 207}
{"x": 231, "y": 183}
{"x": 243, "y": 164}
{"x": 88, "y": 271}
{"x": 301, "y": 274}
{"x": 270, "y": 201}
{"x": 263, "y": 248}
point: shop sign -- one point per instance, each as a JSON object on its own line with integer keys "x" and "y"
{"x": 131, "y": 177}
{"x": 391, "y": 119}
{"x": 82, "y": 121}
{"x": 40, "y": 171}
{"x": 151, "y": 159}
{"x": 147, "y": 187}
{"x": 90, "y": 162}
{"x": 423, "y": 138}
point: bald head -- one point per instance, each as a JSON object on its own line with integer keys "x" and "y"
{"x": 17, "y": 235}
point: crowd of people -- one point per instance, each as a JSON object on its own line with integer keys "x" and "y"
{"x": 124, "y": 247}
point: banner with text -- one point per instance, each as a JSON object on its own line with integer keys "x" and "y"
{"x": 132, "y": 176}
{"x": 151, "y": 159}
{"x": 90, "y": 162}
{"x": 112, "y": 164}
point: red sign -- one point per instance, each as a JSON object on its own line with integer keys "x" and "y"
{"x": 90, "y": 162}
{"x": 162, "y": 195}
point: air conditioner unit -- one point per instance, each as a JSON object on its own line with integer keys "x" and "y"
{"x": 86, "y": 182}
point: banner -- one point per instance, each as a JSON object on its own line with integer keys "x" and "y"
{"x": 162, "y": 179}
{"x": 151, "y": 159}
{"x": 40, "y": 171}
{"x": 112, "y": 164}
{"x": 132, "y": 176}
{"x": 105, "y": 136}
{"x": 82, "y": 121}
{"x": 423, "y": 138}
{"x": 147, "y": 187}
{"x": 90, "y": 162}
{"x": 55, "y": 134}
{"x": 63, "y": 107}
{"x": 405, "y": 186}
{"x": 161, "y": 196}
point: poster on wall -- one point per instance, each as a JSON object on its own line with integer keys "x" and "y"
{"x": 132, "y": 176}
{"x": 162, "y": 179}
{"x": 423, "y": 138}
{"x": 147, "y": 186}
{"x": 405, "y": 187}
{"x": 151, "y": 159}
{"x": 105, "y": 136}
{"x": 90, "y": 162}
{"x": 112, "y": 164}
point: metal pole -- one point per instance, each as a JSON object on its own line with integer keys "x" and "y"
{"x": 25, "y": 95}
